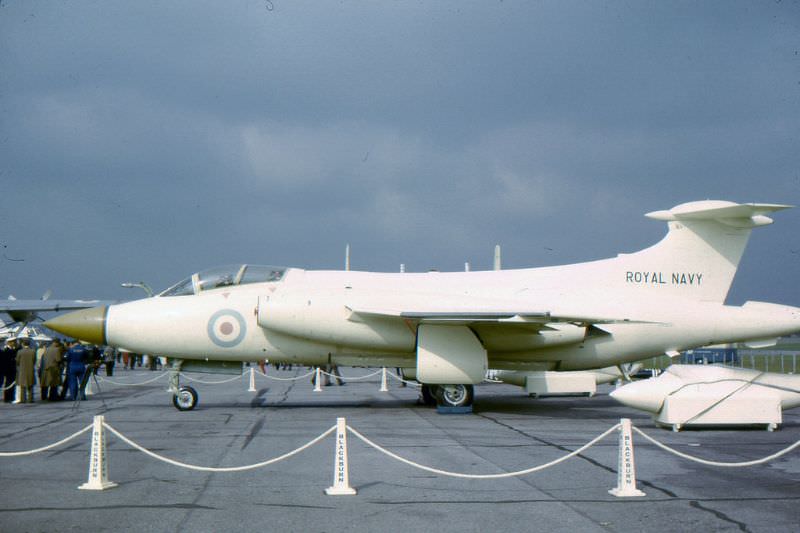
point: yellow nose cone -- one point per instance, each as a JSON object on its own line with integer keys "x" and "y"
{"x": 87, "y": 324}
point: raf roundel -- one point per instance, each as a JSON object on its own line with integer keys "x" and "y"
{"x": 226, "y": 328}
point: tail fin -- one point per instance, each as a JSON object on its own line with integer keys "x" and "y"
{"x": 699, "y": 256}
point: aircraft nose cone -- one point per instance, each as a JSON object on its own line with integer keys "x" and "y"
{"x": 645, "y": 395}
{"x": 87, "y": 324}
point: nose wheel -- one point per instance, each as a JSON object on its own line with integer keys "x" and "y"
{"x": 185, "y": 399}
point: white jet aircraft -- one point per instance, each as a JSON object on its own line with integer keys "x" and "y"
{"x": 446, "y": 329}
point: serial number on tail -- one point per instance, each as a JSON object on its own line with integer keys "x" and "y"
{"x": 664, "y": 278}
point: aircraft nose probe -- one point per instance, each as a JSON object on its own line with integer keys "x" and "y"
{"x": 86, "y": 324}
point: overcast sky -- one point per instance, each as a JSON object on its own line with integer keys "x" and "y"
{"x": 148, "y": 140}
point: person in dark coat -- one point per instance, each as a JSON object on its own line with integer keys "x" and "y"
{"x": 8, "y": 370}
{"x": 26, "y": 371}
{"x": 109, "y": 358}
{"x": 51, "y": 370}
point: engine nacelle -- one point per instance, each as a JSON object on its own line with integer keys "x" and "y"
{"x": 323, "y": 316}
{"x": 449, "y": 355}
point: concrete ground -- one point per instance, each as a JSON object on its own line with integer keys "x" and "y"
{"x": 507, "y": 432}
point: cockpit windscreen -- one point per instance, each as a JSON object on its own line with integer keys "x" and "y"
{"x": 225, "y": 276}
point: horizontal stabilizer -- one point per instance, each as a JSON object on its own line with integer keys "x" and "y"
{"x": 738, "y": 215}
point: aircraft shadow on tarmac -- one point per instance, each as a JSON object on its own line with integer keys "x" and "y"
{"x": 567, "y": 407}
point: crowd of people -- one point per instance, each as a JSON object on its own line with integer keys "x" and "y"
{"x": 61, "y": 368}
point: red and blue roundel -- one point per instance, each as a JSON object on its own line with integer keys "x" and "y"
{"x": 226, "y": 328}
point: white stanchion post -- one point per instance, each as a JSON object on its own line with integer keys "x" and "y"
{"x": 318, "y": 381}
{"x": 98, "y": 466}
{"x": 89, "y": 391}
{"x": 384, "y": 388}
{"x": 18, "y": 394}
{"x": 626, "y": 468}
{"x": 341, "y": 476}
{"x": 252, "y": 380}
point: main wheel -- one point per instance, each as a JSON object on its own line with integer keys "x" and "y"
{"x": 455, "y": 395}
{"x": 185, "y": 399}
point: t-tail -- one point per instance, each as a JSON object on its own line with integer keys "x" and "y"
{"x": 699, "y": 256}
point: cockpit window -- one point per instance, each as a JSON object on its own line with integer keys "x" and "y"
{"x": 261, "y": 273}
{"x": 217, "y": 277}
{"x": 181, "y": 288}
{"x": 226, "y": 276}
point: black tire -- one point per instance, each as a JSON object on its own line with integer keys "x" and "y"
{"x": 185, "y": 399}
{"x": 455, "y": 395}
{"x": 428, "y": 393}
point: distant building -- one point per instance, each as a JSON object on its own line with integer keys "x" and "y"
{"x": 726, "y": 354}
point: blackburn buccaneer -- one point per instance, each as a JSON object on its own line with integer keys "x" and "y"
{"x": 446, "y": 329}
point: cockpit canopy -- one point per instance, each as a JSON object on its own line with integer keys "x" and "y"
{"x": 225, "y": 276}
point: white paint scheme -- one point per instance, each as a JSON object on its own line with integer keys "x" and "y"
{"x": 710, "y": 394}
{"x": 663, "y": 299}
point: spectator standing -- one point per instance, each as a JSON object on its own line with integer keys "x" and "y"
{"x": 51, "y": 370}
{"x": 26, "y": 371}
{"x": 39, "y": 355}
{"x": 76, "y": 366}
{"x": 8, "y": 370}
{"x": 109, "y": 358}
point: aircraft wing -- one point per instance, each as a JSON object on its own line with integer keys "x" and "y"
{"x": 12, "y": 306}
{"x": 534, "y": 319}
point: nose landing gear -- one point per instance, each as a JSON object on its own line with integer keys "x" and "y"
{"x": 185, "y": 399}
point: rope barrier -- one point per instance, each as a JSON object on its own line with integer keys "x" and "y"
{"x": 45, "y": 448}
{"x": 285, "y": 379}
{"x": 626, "y": 485}
{"x": 102, "y": 379}
{"x": 715, "y": 463}
{"x": 400, "y": 379}
{"x": 234, "y": 378}
{"x": 221, "y": 469}
{"x": 346, "y": 378}
{"x": 484, "y": 476}
{"x": 13, "y": 384}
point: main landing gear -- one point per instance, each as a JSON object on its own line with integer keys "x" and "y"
{"x": 448, "y": 396}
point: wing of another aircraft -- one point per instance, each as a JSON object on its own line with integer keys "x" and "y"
{"x": 23, "y": 312}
